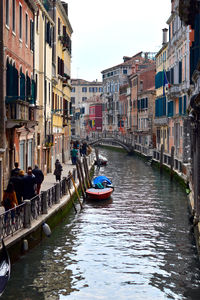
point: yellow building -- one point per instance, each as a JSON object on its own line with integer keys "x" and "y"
{"x": 43, "y": 77}
{"x": 161, "y": 118}
{"x": 61, "y": 126}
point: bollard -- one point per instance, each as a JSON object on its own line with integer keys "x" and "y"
{"x": 44, "y": 202}
{"x": 27, "y": 214}
{"x": 65, "y": 186}
{"x": 57, "y": 200}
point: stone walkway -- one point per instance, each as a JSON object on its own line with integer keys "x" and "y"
{"x": 50, "y": 179}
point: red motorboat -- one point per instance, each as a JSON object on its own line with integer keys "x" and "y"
{"x": 98, "y": 194}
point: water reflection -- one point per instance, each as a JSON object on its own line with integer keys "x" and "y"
{"x": 135, "y": 245}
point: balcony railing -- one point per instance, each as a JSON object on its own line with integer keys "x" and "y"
{"x": 21, "y": 112}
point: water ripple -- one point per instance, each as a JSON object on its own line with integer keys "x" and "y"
{"x": 136, "y": 245}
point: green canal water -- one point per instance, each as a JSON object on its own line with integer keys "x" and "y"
{"x": 136, "y": 245}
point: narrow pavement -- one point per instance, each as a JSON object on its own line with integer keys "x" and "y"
{"x": 50, "y": 179}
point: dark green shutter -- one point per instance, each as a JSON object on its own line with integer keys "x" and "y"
{"x": 22, "y": 86}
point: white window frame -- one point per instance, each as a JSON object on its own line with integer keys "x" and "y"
{"x": 20, "y": 22}
{"x": 14, "y": 16}
{"x": 7, "y": 13}
{"x": 26, "y": 29}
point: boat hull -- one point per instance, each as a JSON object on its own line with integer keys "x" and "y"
{"x": 98, "y": 194}
{"x": 5, "y": 268}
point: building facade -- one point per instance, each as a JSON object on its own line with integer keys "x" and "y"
{"x": 61, "y": 123}
{"x": 178, "y": 74}
{"x": 43, "y": 77}
{"x": 82, "y": 90}
{"x": 20, "y": 86}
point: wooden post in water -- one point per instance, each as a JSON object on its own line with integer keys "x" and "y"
{"x": 74, "y": 184}
{"x": 80, "y": 180}
{"x": 86, "y": 172}
{"x": 68, "y": 186}
{"x": 161, "y": 157}
{"x": 82, "y": 175}
{"x": 172, "y": 162}
{"x": 97, "y": 157}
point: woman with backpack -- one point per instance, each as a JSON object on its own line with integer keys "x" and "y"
{"x": 9, "y": 200}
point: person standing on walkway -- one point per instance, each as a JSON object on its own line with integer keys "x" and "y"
{"x": 39, "y": 177}
{"x": 29, "y": 185}
{"x": 74, "y": 155}
{"x": 84, "y": 148}
{"x": 9, "y": 201}
{"x": 16, "y": 169}
{"x": 18, "y": 187}
{"x": 58, "y": 170}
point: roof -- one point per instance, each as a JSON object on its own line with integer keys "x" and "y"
{"x": 84, "y": 82}
{"x": 128, "y": 61}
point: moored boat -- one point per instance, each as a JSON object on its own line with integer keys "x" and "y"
{"x": 5, "y": 268}
{"x": 102, "y": 179}
{"x": 98, "y": 194}
{"x": 102, "y": 160}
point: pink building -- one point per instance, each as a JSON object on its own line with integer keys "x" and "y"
{"x": 19, "y": 83}
{"x": 95, "y": 117}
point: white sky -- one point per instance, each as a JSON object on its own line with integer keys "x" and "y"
{"x": 104, "y": 31}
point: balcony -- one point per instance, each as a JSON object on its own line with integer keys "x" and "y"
{"x": 21, "y": 113}
{"x": 161, "y": 121}
{"x": 175, "y": 90}
{"x": 66, "y": 42}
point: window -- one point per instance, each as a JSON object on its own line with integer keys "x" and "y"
{"x": 7, "y": 12}
{"x": 73, "y": 100}
{"x": 13, "y": 15}
{"x": 73, "y": 90}
{"x": 58, "y": 26}
{"x": 31, "y": 35}
{"x": 20, "y": 22}
{"x": 26, "y": 34}
{"x": 124, "y": 71}
{"x": 84, "y": 89}
{"x": 91, "y": 90}
{"x": 84, "y": 98}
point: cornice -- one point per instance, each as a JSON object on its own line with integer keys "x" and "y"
{"x": 65, "y": 16}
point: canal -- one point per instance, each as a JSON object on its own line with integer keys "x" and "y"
{"x": 136, "y": 245}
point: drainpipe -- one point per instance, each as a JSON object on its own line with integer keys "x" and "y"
{"x": 45, "y": 94}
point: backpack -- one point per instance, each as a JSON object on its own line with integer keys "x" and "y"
{"x": 7, "y": 203}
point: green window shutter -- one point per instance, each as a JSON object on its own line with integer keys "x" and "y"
{"x": 15, "y": 84}
{"x": 8, "y": 80}
{"x": 33, "y": 94}
{"x": 22, "y": 86}
{"x": 184, "y": 104}
{"x": 28, "y": 87}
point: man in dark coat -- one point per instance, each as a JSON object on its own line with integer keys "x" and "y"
{"x": 16, "y": 169}
{"x": 29, "y": 185}
{"x": 39, "y": 177}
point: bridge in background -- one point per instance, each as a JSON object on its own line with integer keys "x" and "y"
{"x": 112, "y": 141}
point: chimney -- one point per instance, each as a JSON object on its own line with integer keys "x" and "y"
{"x": 165, "y": 30}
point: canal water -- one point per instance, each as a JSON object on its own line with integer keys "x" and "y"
{"x": 136, "y": 245}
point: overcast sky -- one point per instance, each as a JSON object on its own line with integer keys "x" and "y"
{"x": 105, "y": 31}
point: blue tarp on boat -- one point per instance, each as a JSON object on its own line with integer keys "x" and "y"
{"x": 101, "y": 179}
